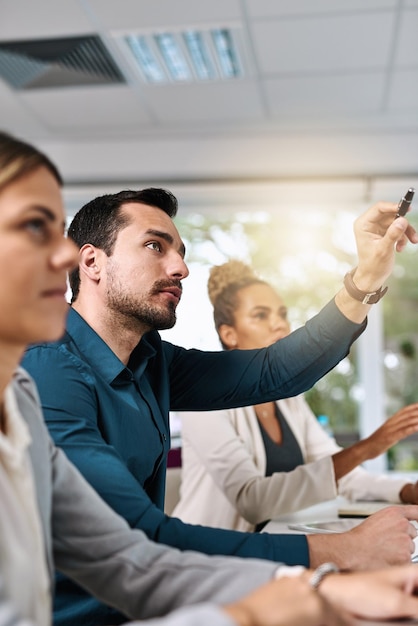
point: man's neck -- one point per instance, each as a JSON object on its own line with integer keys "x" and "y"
{"x": 121, "y": 340}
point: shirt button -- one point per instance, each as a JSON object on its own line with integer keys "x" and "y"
{"x": 164, "y": 437}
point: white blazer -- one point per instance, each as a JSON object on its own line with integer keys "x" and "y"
{"x": 224, "y": 462}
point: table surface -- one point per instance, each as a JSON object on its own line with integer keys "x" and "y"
{"x": 324, "y": 512}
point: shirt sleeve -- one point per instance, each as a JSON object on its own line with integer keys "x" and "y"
{"x": 204, "y": 615}
{"x": 121, "y": 567}
{"x": 202, "y": 381}
{"x": 69, "y": 406}
{"x": 359, "y": 484}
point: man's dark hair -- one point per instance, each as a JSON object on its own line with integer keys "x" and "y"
{"x": 99, "y": 221}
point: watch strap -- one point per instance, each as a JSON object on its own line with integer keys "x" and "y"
{"x": 362, "y": 296}
{"x": 319, "y": 574}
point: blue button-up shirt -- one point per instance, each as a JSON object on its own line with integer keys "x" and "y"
{"x": 112, "y": 421}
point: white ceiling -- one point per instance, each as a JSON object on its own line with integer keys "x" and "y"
{"x": 331, "y": 90}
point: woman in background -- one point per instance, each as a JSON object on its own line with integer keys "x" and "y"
{"x": 244, "y": 466}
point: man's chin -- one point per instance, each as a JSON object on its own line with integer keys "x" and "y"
{"x": 166, "y": 324}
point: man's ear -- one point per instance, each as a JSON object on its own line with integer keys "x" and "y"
{"x": 89, "y": 261}
{"x": 228, "y": 336}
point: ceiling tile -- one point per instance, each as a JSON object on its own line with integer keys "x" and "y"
{"x": 406, "y": 53}
{"x": 107, "y": 109}
{"x": 217, "y": 101}
{"x": 272, "y": 8}
{"x": 143, "y": 14}
{"x": 323, "y": 44}
{"x": 20, "y": 19}
{"x": 404, "y": 91}
{"x": 15, "y": 117}
{"x": 325, "y": 96}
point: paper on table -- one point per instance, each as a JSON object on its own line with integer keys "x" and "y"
{"x": 332, "y": 526}
{"x": 361, "y": 508}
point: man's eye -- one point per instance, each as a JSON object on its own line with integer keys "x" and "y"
{"x": 154, "y": 245}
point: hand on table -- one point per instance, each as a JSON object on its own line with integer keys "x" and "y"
{"x": 383, "y": 594}
{"x": 288, "y": 602}
{"x": 385, "y": 538}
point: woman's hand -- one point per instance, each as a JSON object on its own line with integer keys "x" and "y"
{"x": 287, "y": 602}
{"x": 382, "y": 594}
{"x": 409, "y": 493}
{"x": 402, "y": 424}
{"x": 375, "y": 595}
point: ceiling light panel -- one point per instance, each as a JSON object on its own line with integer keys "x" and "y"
{"x": 146, "y": 59}
{"x": 200, "y": 55}
{"x": 174, "y": 58}
{"x": 184, "y": 56}
{"x": 226, "y": 53}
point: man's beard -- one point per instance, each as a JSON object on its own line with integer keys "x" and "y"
{"x": 138, "y": 312}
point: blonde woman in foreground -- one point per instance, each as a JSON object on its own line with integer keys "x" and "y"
{"x": 244, "y": 466}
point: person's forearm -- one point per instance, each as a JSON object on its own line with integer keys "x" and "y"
{"x": 343, "y": 549}
{"x": 238, "y": 614}
{"x": 323, "y": 548}
{"x": 346, "y": 460}
{"x": 352, "y": 309}
{"x": 408, "y": 493}
{"x": 367, "y": 543}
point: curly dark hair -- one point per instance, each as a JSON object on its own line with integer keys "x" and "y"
{"x": 224, "y": 283}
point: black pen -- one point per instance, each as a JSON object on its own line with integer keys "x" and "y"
{"x": 405, "y": 202}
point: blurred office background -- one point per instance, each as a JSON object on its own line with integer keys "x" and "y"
{"x": 275, "y": 122}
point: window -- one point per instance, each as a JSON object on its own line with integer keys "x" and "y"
{"x": 305, "y": 252}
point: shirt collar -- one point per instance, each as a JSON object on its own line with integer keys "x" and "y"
{"x": 17, "y": 438}
{"x": 100, "y": 357}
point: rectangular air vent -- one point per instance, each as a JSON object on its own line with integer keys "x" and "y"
{"x": 71, "y": 61}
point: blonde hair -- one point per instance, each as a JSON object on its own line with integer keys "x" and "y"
{"x": 18, "y": 158}
{"x": 224, "y": 283}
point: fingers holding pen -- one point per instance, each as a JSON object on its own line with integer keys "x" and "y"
{"x": 381, "y": 221}
{"x": 379, "y": 233}
{"x": 408, "y": 233}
